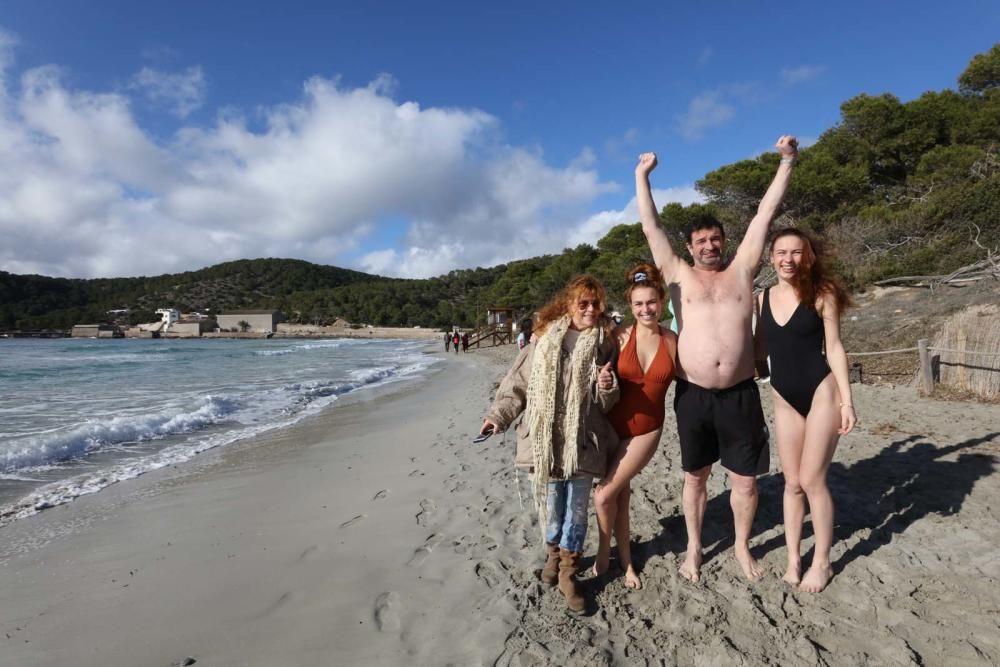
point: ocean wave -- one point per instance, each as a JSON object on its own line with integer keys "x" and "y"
{"x": 75, "y": 443}
{"x": 304, "y": 347}
{"x": 71, "y": 488}
{"x": 243, "y": 411}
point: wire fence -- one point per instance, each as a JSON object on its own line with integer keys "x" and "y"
{"x": 929, "y": 372}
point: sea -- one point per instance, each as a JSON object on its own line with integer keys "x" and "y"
{"x": 77, "y": 415}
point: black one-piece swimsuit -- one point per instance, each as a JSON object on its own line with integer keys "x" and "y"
{"x": 796, "y": 351}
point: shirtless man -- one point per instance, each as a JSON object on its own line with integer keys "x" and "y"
{"x": 717, "y": 402}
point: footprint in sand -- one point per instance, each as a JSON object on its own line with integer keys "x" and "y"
{"x": 488, "y": 573}
{"x": 421, "y": 553}
{"x": 387, "y": 611}
{"x": 461, "y": 545}
{"x": 381, "y": 494}
{"x": 351, "y": 522}
{"x": 426, "y": 507}
{"x": 416, "y": 473}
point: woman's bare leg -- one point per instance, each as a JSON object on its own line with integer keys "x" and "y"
{"x": 623, "y": 539}
{"x": 790, "y": 429}
{"x": 633, "y": 455}
{"x": 820, "y": 443}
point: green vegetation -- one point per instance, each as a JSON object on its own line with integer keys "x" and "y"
{"x": 894, "y": 188}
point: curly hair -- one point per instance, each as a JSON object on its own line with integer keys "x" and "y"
{"x": 565, "y": 300}
{"x": 650, "y": 277}
{"x": 813, "y": 278}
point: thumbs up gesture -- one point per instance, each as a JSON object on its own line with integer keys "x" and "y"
{"x": 605, "y": 379}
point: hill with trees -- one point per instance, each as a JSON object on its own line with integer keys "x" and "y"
{"x": 894, "y": 188}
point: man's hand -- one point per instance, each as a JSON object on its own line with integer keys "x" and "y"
{"x": 788, "y": 146}
{"x": 605, "y": 380}
{"x": 647, "y": 163}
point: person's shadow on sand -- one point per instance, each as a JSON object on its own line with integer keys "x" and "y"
{"x": 882, "y": 495}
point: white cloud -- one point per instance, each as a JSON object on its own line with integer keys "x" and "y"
{"x": 704, "y": 112}
{"x": 430, "y": 257}
{"x": 599, "y": 224}
{"x": 794, "y": 75}
{"x": 96, "y": 194}
{"x": 183, "y": 91}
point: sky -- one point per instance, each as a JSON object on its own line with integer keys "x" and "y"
{"x": 411, "y": 139}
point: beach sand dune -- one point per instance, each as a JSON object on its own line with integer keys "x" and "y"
{"x": 377, "y": 533}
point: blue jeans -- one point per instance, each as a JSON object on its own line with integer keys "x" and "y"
{"x": 567, "y": 504}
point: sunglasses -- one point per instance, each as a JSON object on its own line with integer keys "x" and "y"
{"x": 584, "y": 304}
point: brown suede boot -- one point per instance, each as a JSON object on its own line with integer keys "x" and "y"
{"x": 569, "y": 563}
{"x": 550, "y": 571}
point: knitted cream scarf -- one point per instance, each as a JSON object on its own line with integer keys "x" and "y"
{"x": 541, "y": 401}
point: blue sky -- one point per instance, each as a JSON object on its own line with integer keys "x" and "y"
{"x": 411, "y": 138}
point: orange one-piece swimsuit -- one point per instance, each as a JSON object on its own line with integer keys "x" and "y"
{"x": 640, "y": 407}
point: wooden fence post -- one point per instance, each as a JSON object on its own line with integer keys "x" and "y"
{"x": 926, "y": 373}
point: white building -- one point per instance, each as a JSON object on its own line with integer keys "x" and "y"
{"x": 169, "y": 316}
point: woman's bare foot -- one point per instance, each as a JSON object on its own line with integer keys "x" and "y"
{"x": 632, "y": 579}
{"x": 691, "y": 567}
{"x": 817, "y": 577}
{"x": 600, "y": 567}
{"x": 794, "y": 573}
{"x": 751, "y": 568}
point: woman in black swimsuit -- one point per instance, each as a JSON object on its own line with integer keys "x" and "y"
{"x": 812, "y": 397}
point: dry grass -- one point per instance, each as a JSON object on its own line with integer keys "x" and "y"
{"x": 975, "y": 329}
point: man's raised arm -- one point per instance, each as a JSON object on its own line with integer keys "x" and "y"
{"x": 752, "y": 247}
{"x": 663, "y": 253}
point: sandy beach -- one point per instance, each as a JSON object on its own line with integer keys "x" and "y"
{"x": 376, "y": 533}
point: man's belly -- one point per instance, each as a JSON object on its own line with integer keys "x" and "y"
{"x": 713, "y": 361}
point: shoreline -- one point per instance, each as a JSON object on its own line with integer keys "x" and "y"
{"x": 378, "y": 534}
{"x": 28, "y": 492}
{"x": 272, "y": 524}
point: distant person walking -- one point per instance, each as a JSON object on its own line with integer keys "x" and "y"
{"x": 717, "y": 402}
{"x": 455, "y": 341}
{"x": 645, "y": 371}
{"x": 447, "y": 341}
{"x": 799, "y": 318}
{"x": 563, "y": 382}
{"x": 465, "y": 341}
{"x": 524, "y": 337}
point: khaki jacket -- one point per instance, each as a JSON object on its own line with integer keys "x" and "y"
{"x": 596, "y": 438}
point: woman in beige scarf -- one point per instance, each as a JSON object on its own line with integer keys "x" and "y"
{"x": 563, "y": 382}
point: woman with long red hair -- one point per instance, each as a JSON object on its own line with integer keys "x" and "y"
{"x": 563, "y": 383}
{"x": 799, "y": 318}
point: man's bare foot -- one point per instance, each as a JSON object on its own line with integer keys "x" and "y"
{"x": 691, "y": 567}
{"x": 794, "y": 573}
{"x": 632, "y": 579}
{"x": 751, "y": 568}
{"x": 817, "y": 577}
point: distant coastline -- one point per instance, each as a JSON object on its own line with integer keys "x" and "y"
{"x": 284, "y": 331}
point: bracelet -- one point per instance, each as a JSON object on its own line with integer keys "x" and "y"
{"x": 787, "y": 160}
{"x": 847, "y": 405}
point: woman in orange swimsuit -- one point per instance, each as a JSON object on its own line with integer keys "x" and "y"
{"x": 645, "y": 370}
